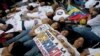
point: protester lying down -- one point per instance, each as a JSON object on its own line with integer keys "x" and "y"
{"x": 50, "y": 28}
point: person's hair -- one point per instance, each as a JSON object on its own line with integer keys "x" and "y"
{"x": 97, "y": 10}
{"x": 73, "y": 36}
{"x": 30, "y": 7}
{"x": 76, "y": 37}
{"x": 1, "y": 21}
{"x": 59, "y": 25}
{"x": 18, "y": 49}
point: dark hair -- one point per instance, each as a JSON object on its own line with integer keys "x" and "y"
{"x": 97, "y": 10}
{"x": 30, "y": 7}
{"x": 1, "y": 21}
{"x": 73, "y": 36}
{"x": 18, "y": 49}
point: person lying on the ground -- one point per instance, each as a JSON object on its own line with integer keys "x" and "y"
{"x": 16, "y": 49}
{"x": 93, "y": 31}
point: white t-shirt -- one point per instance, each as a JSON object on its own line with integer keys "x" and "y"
{"x": 1, "y": 49}
{"x": 60, "y": 13}
{"x": 95, "y": 24}
{"x": 40, "y": 8}
{"x": 98, "y": 6}
{"x": 41, "y": 11}
{"x": 91, "y": 3}
{"x": 46, "y": 9}
{"x": 22, "y": 8}
{"x": 42, "y": 15}
{"x": 34, "y": 15}
{"x": 94, "y": 52}
{"x": 28, "y": 24}
{"x": 1, "y": 31}
{"x": 24, "y": 0}
{"x": 31, "y": 23}
{"x": 16, "y": 22}
{"x": 39, "y": 14}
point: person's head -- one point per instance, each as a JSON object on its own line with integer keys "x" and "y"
{"x": 64, "y": 32}
{"x": 47, "y": 21}
{"x": 78, "y": 42}
{"x": 2, "y": 13}
{"x": 59, "y": 8}
{"x": 55, "y": 25}
{"x": 69, "y": 2}
{"x": 2, "y": 26}
{"x": 42, "y": 3}
{"x": 15, "y": 49}
{"x": 94, "y": 11}
{"x": 50, "y": 14}
{"x": 30, "y": 8}
{"x": 55, "y": 6}
{"x": 18, "y": 49}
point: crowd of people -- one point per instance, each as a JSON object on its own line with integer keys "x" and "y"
{"x": 78, "y": 22}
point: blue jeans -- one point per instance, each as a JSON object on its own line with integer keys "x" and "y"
{"x": 87, "y": 33}
{"x": 33, "y": 49}
{"x": 30, "y": 44}
{"x": 27, "y": 40}
{"x": 14, "y": 39}
{"x": 34, "y": 52}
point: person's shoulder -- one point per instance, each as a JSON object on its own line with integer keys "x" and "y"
{"x": 98, "y": 15}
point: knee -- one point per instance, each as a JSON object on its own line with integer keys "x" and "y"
{"x": 30, "y": 43}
